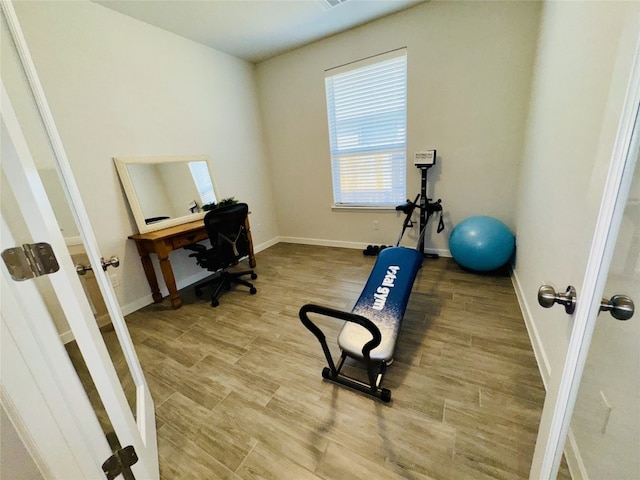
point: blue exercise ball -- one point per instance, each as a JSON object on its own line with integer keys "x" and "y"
{"x": 481, "y": 243}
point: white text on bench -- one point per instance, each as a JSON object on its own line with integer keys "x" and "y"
{"x": 380, "y": 297}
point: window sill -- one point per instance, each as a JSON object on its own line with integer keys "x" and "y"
{"x": 360, "y": 208}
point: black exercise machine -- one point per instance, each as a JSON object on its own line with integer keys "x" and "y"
{"x": 427, "y": 208}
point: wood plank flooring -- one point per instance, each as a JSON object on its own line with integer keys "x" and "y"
{"x": 239, "y": 394}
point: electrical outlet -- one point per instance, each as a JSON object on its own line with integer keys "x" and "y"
{"x": 115, "y": 281}
{"x": 376, "y": 225}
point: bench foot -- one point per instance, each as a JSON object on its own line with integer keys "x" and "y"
{"x": 384, "y": 394}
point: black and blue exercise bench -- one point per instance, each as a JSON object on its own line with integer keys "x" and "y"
{"x": 371, "y": 328}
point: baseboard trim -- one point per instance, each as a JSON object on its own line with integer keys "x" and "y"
{"x": 142, "y": 302}
{"x": 534, "y": 337}
{"x": 136, "y": 305}
{"x": 574, "y": 459}
{"x": 443, "y": 252}
{"x": 322, "y": 242}
{"x": 148, "y": 299}
{"x": 265, "y": 245}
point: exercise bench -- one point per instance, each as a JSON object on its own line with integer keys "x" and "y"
{"x": 371, "y": 328}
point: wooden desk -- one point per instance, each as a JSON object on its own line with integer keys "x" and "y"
{"x": 162, "y": 242}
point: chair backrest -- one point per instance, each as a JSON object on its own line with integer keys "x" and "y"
{"x": 227, "y": 232}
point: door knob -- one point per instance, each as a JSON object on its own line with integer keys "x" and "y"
{"x": 112, "y": 262}
{"x": 82, "y": 269}
{"x": 619, "y": 306}
{"x": 547, "y": 297}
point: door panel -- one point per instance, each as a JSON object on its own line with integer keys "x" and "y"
{"x": 35, "y": 136}
{"x": 75, "y": 445}
{"x": 605, "y": 429}
{"x": 597, "y": 411}
{"x": 52, "y": 211}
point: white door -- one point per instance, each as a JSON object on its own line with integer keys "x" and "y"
{"x": 28, "y": 132}
{"x": 604, "y": 433}
{"x": 601, "y": 430}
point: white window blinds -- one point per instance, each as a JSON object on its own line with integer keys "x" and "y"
{"x": 367, "y": 111}
{"x": 202, "y": 179}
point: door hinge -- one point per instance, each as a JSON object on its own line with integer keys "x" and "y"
{"x": 120, "y": 463}
{"x": 30, "y": 260}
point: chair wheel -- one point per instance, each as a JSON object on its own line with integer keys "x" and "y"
{"x": 326, "y": 372}
{"x": 254, "y": 276}
{"x": 253, "y": 291}
{"x": 385, "y": 395}
{"x": 215, "y": 303}
{"x": 198, "y": 292}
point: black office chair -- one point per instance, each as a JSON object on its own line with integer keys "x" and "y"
{"x": 229, "y": 244}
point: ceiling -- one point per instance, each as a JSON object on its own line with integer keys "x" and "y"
{"x": 256, "y": 30}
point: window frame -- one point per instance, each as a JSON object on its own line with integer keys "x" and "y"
{"x": 361, "y": 137}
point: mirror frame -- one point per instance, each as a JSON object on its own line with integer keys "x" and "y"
{"x": 127, "y": 183}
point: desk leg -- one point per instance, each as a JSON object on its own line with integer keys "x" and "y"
{"x": 170, "y": 281}
{"x": 252, "y": 256}
{"x": 151, "y": 278}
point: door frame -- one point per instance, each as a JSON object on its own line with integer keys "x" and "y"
{"x": 554, "y": 424}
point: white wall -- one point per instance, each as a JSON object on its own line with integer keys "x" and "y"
{"x": 469, "y": 73}
{"x": 583, "y": 63}
{"x": 120, "y": 87}
{"x": 16, "y": 463}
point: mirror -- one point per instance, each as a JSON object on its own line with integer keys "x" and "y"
{"x": 168, "y": 190}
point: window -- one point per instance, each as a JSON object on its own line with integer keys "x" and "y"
{"x": 202, "y": 179}
{"x": 367, "y": 111}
